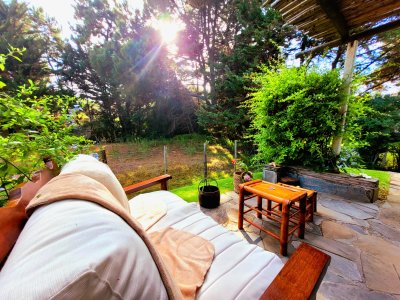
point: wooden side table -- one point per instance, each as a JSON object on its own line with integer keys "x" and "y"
{"x": 311, "y": 203}
{"x": 281, "y": 212}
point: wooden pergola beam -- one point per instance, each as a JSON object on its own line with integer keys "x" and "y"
{"x": 357, "y": 36}
{"x": 335, "y": 16}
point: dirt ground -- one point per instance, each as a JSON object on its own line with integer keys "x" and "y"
{"x": 134, "y": 162}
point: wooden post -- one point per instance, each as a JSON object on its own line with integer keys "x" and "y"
{"x": 165, "y": 160}
{"x": 103, "y": 156}
{"x": 235, "y": 151}
{"x": 241, "y": 208}
{"x": 205, "y": 161}
{"x": 347, "y": 77}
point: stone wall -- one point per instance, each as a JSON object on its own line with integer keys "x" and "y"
{"x": 344, "y": 185}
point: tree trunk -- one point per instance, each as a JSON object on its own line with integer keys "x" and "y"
{"x": 347, "y": 77}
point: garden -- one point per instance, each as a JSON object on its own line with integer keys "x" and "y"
{"x": 291, "y": 108}
{"x": 89, "y": 98}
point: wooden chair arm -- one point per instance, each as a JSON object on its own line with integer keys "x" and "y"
{"x": 162, "y": 180}
{"x": 300, "y": 275}
{"x": 13, "y": 216}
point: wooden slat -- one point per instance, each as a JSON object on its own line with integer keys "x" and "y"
{"x": 300, "y": 17}
{"x": 298, "y": 5}
{"x": 337, "y": 20}
{"x": 299, "y": 276}
{"x": 148, "y": 183}
{"x": 335, "y": 16}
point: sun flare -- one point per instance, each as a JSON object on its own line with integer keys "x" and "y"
{"x": 168, "y": 29}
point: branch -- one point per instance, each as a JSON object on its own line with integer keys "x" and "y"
{"x": 9, "y": 162}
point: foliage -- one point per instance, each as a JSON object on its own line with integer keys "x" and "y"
{"x": 295, "y": 115}
{"x": 29, "y": 29}
{"x": 380, "y": 59}
{"x": 349, "y": 157}
{"x": 33, "y": 128}
{"x": 119, "y": 61}
{"x": 381, "y": 130}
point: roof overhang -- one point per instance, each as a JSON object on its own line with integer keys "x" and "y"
{"x": 335, "y": 22}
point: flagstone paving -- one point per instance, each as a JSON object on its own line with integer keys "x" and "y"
{"x": 363, "y": 240}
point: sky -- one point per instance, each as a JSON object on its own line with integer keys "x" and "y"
{"x": 61, "y": 10}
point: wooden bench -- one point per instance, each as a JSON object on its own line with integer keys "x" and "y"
{"x": 300, "y": 276}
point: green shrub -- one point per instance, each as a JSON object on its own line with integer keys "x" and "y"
{"x": 295, "y": 114}
{"x": 32, "y": 128}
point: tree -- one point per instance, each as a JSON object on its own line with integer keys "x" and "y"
{"x": 117, "y": 60}
{"x": 223, "y": 42}
{"x": 381, "y": 130}
{"x": 381, "y": 59}
{"x": 260, "y": 35}
{"x": 28, "y": 29}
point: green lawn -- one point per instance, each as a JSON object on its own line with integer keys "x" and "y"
{"x": 190, "y": 193}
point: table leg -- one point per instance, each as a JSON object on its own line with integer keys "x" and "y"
{"x": 284, "y": 230}
{"x": 269, "y": 207}
{"x": 315, "y": 202}
{"x": 302, "y": 219}
{"x": 241, "y": 208}
{"x": 259, "y": 207}
{"x": 312, "y": 208}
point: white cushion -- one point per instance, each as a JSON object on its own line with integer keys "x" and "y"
{"x": 239, "y": 270}
{"x": 91, "y": 167}
{"x": 78, "y": 250}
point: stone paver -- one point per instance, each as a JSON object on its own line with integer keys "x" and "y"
{"x": 378, "y": 247}
{"x": 387, "y": 232}
{"x": 338, "y": 291}
{"x": 390, "y": 216}
{"x": 334, "y": 215}
{"x": 345, "y": 268}
{"x": 363, "y": 240}
{"x": 348, "y": 209}
{"x": 380, "y": 274}
{"x": 337, "y": 231}
{"x": 394, "y": 190}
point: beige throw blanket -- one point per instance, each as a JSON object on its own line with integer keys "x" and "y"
{"x": 182, "y": 259}
{"x": 187, "y": 256}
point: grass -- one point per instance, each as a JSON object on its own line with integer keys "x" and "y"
{"x": 190, "y": 192}
{"x": 382, "y": 176}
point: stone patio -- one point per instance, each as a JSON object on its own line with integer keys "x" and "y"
{"x": 363, "y": 240}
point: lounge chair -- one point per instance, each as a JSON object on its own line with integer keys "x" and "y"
{"x": 76, "y": 249}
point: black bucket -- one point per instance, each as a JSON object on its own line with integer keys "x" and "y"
{"x": 209, "y": 196}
